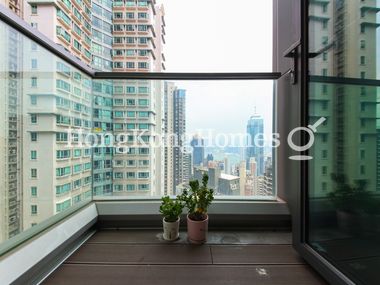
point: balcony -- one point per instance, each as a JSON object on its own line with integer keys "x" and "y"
{"x": 301, "y": 207}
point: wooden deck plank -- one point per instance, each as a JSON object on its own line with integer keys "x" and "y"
{"x": 184, "y": 275}
{"x": 214, "y": 237}
{"x": 141, "y": 254}
{"x": 255, "y": 254}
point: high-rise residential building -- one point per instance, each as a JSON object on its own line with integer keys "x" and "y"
{"x": 187, "y": 167}
{"x": 179, "y": 121}
{"x": 197, "y": 144}
{"x": 169, "y": 89}
{"x": 68, "y": 23}
{"x": 101, "y": 27}
{"x": 57, "y": 108}
{"x": 11, "y": 136}
{"x": 17, "y": 6}
{"x": 255, "y": 130}
{"x": 124, "y": 36}
{"x": 138, "y": 109}
{"x": 101, "y": 49}
{"x": 177, "y": 169}
{"x": 266, "y": 187}
{"x": 346, "y": 143}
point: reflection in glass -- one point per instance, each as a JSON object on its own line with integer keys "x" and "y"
{"x": 44, "y": 170}
{"x": 344, "y": 178}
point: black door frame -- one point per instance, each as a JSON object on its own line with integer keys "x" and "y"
{"x": 319, "y": 263}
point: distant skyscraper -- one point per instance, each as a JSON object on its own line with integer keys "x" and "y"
{"x": 179, "y": 128}
{"x": 255, "y": 126}
{"x": 209, "y": 158}
{"x": 197, "y": 144}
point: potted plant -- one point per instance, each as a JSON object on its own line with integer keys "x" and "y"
{"x": 197, "y": 199}
{"x": 171, "y": 210}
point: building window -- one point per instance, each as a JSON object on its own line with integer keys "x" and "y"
{"x": 143, "y": 65}
{"x": 130, "y": 15}
{"x": 362, "y": 29}
{"x": 33, "y": 154}
{"x": 324, "y": 24}
{"x": 324, "y": 186}
{"x": 362, "y": 60}
{"x": 130, "y": 40}
{"x": 33, "y": 118}
{"x": 324, "y": 71}
{"x": 324, "y": 8}
{"x": 131, "y": 102}
{"x": 130, "y": 64}
{"x": 118, "y": 15}
{"x": 34, "y": 81}
{"x": 131, "y": 114}
{"x": 34, "y": 25}
{"x": 131, "y": 89}
{"x": 33, "y": 209}
{"x": 143, "y": 52}
{"x": 131, "y": 175}
{"x": 143, "y": 175}
{"x": 324, "y": 170}
{"x": 119, "y": 175}
{"x": 33, "y": 100}
{"x": 143, "y": 102}
{"x": 325, "y": 40}
{"x": 34, "y": 9}
{"x": 142, "y": 15}
{"x": 362, "y": 74}
{"x": 362, "y": 154}
{"x": 362, "y": 169}
{"x": 118, "y": 102}
{"x": 324, "y": 154}
{"x": 118, "y": 187}
{"x": 131, "y": 187}
{"x": 33, "y": 137}
{"x": 324, "y": 89}
{"x": 130, "y": 126}
{"x": 33, "y": 173}
{"x": 33, "y": 191}
{"x": 362, "y": 44}
{"x": 362, "y": 91}
{"x": 324, "y": 56}
{"x": 143, "y": 187}
{"x": 34, "y": 63}
{"x": 118, "y": 64}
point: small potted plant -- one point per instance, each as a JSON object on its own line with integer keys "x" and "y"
{"x": 171, "y": 211}
{"x": 197, "y": 199}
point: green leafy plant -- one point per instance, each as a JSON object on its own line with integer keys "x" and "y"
{"x": 197, "y": 199}
{"x": 171, "y": 209}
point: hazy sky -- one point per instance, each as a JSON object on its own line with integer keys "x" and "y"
{"x": 221, "y": 36}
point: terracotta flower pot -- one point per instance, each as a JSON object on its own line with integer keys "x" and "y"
{"x": 171, "y": 230}
{"x": 197, "y": 230}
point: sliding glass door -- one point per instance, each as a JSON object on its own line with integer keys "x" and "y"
{"x": 342, "y": 213}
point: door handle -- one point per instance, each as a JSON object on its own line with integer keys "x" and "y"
{"x": 292, "y": 52}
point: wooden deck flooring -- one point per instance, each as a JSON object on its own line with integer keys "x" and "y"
{"x": 142, "y": 257}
